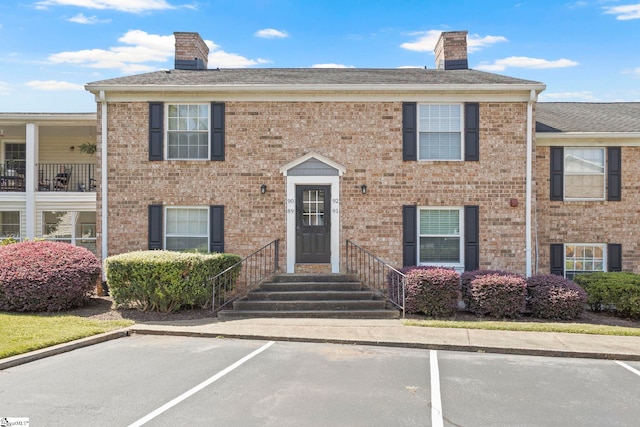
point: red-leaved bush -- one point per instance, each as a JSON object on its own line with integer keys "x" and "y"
{"x": 433, "y": 291}
{"x": 46, "y": 276}
{"x": 468, "y": 276}
{"x": 411, "y": 289}
{"x": 498, "y": 295}
{"x": 554, "y": 297}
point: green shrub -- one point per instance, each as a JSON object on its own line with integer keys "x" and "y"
{"x": 616, "y": 291}
{"x": 433, "y": 291}
{"x": 46, "y": 276}
{"x": 498, "y": 295}
{"x": 8, "y": 241}
{"x": 164, "y": 281}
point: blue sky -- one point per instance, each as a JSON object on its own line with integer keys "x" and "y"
{"x": 582, "y": 50}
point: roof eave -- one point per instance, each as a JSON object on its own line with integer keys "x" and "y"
{"x": 587, "y": 135}
{"x": 379, "y": 88}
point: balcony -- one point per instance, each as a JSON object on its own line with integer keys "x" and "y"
{"x": 65, "y": 177}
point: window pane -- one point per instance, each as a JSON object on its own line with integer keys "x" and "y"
{"x": 439, "y": 146}
{"x": 187, "y": 228}
{"x": 188, "y": 136}
{"x": 584, "y": 186}
{"x": 57, "y": 225}
{"x": 9, "y": 224}
{"x": 590, "y": 161}
{"x": 440, "y": 118}
{"x": 583, "y": 259}
{"x": 440, "y": 222}
{"x": 439, "y": 249}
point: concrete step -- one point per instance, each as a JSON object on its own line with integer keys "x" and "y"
{"x": 324, "y": 305}
{"x": 323, "y": 314}
{"x": 310, "y": 295}
{"x": 310, "y": 286}
{"x": 311, "y": 277}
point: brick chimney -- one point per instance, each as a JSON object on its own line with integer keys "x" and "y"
{"x": 191, "y": 52}
{"x": 451, "y": 51}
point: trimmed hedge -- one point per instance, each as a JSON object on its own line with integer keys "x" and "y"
{"x": 46, "y": 276}
{"x": 468, "y": 276}
{"x": 553, "y": 297}
{"x": 615, "y": 291}
{"x": 498, "y": 295}
{"x": 164, "y": 281}
{"x": 432, "y": 291}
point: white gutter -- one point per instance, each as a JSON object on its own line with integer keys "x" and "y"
{"x": 103, "y": 180}
{"x": 529, "y": 179}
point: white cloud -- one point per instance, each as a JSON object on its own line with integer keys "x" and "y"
{"x": 584, "y": 95}
{"x": 525, "y": 62}
{"x": 634, "y": 72}
{"x": 426, "y": 41}
{"x": 624, "y": 12}
{"x": 132, "y": 6}
{"x": 81, "y": 19}
{"x": 5, "y": 88}
{"x": 332, "y": 66}
{"x": 270, "y": 33}
{"x": 53, "y": 85}
{"x": 141, "y": 51}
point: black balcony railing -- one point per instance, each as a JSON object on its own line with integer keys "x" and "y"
{"x": 66, "y": 177}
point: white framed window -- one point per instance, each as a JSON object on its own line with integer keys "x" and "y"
{"x": 187, "y": 131}
{"x": 186, "y": 228}
{"x": 77, "y": 228}
{"x": 584, "y": 173}
{"x": 440, "y": 132}
{"x": 441, "y": 237}
{"x": 10, "y": 224}
{"x": 584, "y": 258}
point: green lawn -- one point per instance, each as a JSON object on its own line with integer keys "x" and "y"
{"x": 21, "y": 333}
{"x": 573, "y": 328}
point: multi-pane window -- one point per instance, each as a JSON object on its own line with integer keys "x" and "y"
{"x": 440, "y": 236}
{"x": 584, "y": 173}
{"x": 313, "y": 207}
{"x": 188, "y": 131}
{"x": 187, "y": 228}
{"x": 15, "y": 156}
{"x": 583, "y": 258}
{"x": 440, "y": 132}
{"x": 10, "y": 224}
{"x": 77, "y": 228}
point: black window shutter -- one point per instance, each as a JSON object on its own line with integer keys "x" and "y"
{"x": 409, "y": 236}
{"x": 155, "y": 227}
{"x": 556, "y": 185}
{"x": 471, "y": 132}
{"x": 614, "y": 174}
{"x": 471, "y": 238}
{"x": 409, "y": 132}
{"x": 557, "y": 259}
{"x": 216, "y": 228}
{"x": 217, "y": 131}
{"x": 156, "y": 131}
{"x": 614, "y": 257}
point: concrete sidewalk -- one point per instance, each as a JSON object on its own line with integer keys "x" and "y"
{"x": 392, "y": 333}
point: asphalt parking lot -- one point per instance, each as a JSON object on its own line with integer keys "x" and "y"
{"x": 164, "y": 380}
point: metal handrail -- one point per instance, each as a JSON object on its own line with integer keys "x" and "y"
{"x": 236, "y": 281}
{"x": 377, "y": 274}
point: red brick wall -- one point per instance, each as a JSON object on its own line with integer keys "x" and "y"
{"x": 365, "y": 137}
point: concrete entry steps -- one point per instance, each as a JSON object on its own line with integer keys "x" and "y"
{"x": 336, "y": 296}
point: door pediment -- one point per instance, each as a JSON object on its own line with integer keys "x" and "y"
{"x": 312, "y": 164}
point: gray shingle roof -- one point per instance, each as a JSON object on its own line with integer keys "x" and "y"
{"x": 313, "y": 76}
{"x": 588, "y": 117}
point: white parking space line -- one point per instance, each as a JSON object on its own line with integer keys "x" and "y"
{"x": 624, "y": 365}
{"x": 199, "y": 387}
{"x": 436, "y": 400}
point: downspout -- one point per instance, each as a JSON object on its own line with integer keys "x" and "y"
{"x": 103, "y": 177}
{"x": 529, "y": 182}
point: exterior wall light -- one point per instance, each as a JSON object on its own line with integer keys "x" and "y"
{"x": 363, "y": 188}
{"x": 263, "y": 188}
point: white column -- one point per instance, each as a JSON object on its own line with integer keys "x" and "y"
{"x": 103, "y": 181}
{"x": 30, "y": 178}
